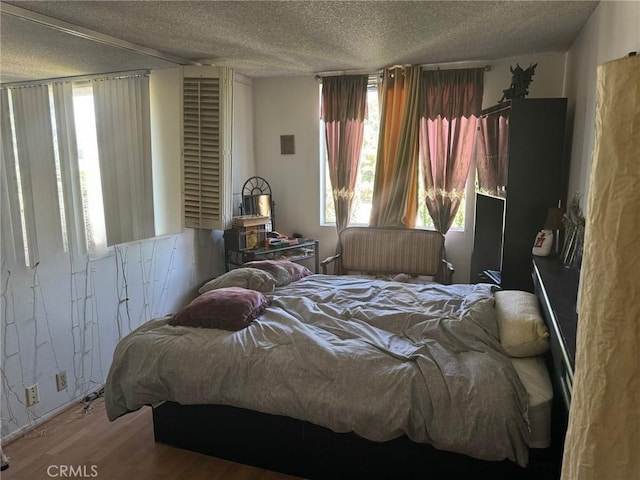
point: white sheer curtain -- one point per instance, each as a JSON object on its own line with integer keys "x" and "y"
{"x": 124, "y": 148}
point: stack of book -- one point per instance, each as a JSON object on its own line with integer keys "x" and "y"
{"x": 250, "y": 221}
{"x": 247, "y": 232}
{"x": 279, "y": 242}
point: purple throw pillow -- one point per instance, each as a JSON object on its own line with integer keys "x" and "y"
{"x": 229, "y": 308}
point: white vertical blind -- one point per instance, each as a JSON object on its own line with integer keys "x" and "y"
{"x": 206, "y": 165}
{"x": 36, "y": 162}
{"x": 68, "y": 150}
{"x": 11, "y": 223}
{"x": 124, "y": 148}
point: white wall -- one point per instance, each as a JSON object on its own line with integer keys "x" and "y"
{"x": 165, "y": 99}
{"x": 612, "y": 31}
{"x": 57, "y": 317}
{"x": 243, "y": 163}
{"x": 290, "y": 106}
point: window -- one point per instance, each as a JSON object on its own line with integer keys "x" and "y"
{"x": 361, "y": 207}
{"x": 88, "y": 144}
{"x": 89, "y": 169}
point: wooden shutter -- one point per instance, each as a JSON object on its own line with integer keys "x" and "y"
{"x": 205, "y": 158}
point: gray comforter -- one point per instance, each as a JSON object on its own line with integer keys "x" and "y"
{"x": 378, "y": 358}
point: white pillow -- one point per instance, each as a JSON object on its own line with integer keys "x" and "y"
{"x": 523, "y": 332}
{"x": 250, "y": 278}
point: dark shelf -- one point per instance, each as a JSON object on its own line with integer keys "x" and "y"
{"x": 505, "y": 228}
{"x": 560, "y": 285}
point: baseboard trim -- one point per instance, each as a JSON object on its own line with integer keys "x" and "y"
{"x": 20, "y": 432}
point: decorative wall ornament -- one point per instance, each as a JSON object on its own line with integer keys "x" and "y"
{"x": 520, "y": 81}
{"x": 287, "y": 145}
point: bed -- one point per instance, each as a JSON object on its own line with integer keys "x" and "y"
{"x": 343, "y": 376}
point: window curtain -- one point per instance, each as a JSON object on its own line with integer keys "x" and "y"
{"x": 11, "y": 223}
{"x": 344, "y": 109}
{"x": 395, "y": 188}
{"x": 69, "y": 171}
{"x": 124, "y": 148}
{"x": 491, "y": 153}
{"x": 35, "y": 168}
{"x": 449, "y": 109}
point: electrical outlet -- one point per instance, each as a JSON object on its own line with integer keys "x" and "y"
{"x": 61, "y": 380}
{"x": 32, "y": 395}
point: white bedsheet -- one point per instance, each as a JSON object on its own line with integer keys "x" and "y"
{"x": 534, "y": 375}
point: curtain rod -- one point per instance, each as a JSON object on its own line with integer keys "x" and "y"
{"x": 426, "y": 66}
{"x": 77, "y": 78}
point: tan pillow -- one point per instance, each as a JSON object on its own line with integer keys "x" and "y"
{"x": 284, "y": 271}
{"x": 251, "y": 278}
{"x": 523, "y": 332}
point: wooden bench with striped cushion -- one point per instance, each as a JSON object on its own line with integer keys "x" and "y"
{"x": 391, "y": 251}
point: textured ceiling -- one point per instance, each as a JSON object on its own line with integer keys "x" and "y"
{"x": 280, "y": 38}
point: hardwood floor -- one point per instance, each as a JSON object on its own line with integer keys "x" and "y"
{"x": 76, "y": 444}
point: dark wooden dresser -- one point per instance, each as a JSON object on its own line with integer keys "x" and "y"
{"x": 557, "y": 288}
{"x": 521, "y": 174}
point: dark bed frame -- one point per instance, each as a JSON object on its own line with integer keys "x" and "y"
{"x": 307, "y": 450}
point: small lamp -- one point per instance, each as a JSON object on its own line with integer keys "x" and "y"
{"x": 554, "y": 223}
